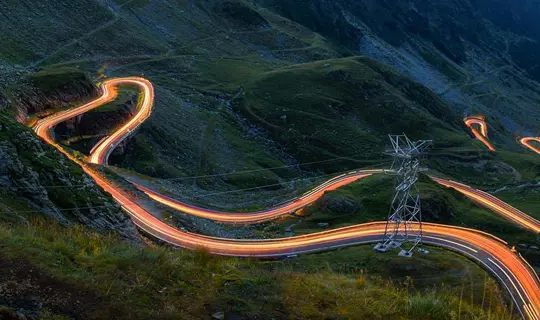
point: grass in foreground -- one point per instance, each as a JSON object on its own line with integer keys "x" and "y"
{"x": 116, "y": 279}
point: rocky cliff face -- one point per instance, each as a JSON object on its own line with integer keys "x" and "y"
{"x": 518, "y": 18}
{"x": 3, "y": 101}
{"x": 58, "y": 190}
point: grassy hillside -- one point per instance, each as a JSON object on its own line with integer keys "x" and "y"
{"x": 243, "y": 91}
{"x": 369, "y": 200}
{"x": 345, "y": 107}
{"x": 294, "y": 100}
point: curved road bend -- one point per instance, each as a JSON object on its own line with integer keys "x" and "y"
{"x": 482, "y": 198}
{"x": 482, "y": 135}
{"x": 527, "y": 142}
{"x": 514, "y": 272}
{"x": 263, "y": 215}
{"x": 103, "y": 149}
{"x": 487, "y": 200}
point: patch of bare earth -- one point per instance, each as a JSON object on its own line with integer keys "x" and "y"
{"x": 30, "y": 292}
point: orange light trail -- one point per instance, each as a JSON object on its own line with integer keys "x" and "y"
{"x": 103, "y": 149}
{"x": 527, "y": 142}
{"x": 263, "y": 215}
{"x": 487, "y": 200}
{"x": 514, "y": 272}
{"x": 482, "y": 135}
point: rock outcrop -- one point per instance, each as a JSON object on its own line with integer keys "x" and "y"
{"x": 338, "y": 204}
{"x": 43, "y": 181}
{"x": 45, "y": 90}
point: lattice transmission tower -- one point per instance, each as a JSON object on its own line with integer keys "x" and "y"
{"x": 404, "y": 224}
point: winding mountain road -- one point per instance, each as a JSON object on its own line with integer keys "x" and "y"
{"x": 263, "y": 215}
{"x": 494, "y": 254}
{"x": 487, "y": 200}
{"x": 482, "y": 135}
{"x": 527, "y": 142}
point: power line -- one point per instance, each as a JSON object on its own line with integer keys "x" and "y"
{"x": 268, "y": 185}
{"x": 62, "y": 209}
{"x": 191, "y": 197}
{"x": 404, "y": 223}
{"x": 264, "y": 169}
{"x": 199, "y": 176}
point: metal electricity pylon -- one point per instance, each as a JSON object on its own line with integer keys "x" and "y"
{"x": 404, "y": 224}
